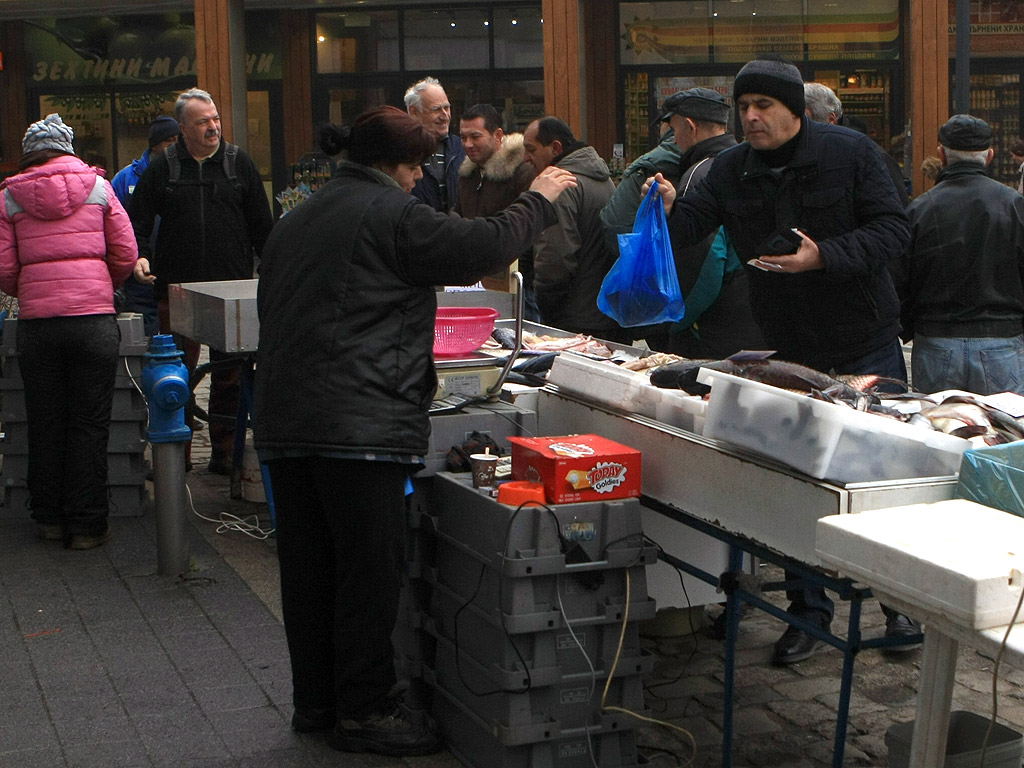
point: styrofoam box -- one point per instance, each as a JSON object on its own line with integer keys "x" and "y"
{"x": 631, "y": 391}
{"x": 956, "y": 557}
{"x": 824, "y": 440}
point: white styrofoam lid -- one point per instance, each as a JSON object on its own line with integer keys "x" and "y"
{"x": 956, "y": 534}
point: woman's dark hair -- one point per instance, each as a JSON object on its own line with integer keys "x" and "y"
{"x": 382, "y": 135}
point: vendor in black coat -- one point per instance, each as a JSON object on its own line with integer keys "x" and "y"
{"x": 830, "y": 304}
{"x": 344, "y": 379}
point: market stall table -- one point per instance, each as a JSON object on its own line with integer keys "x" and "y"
{"x": 751, "y": 503}
{"x": 954, "y": 567}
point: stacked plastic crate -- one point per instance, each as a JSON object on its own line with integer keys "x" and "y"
{"x": 126, "y": 464}
{"x": 532, "y": 611}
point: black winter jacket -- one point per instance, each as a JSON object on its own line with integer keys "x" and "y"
{"x": 210, "y": 227}
{"x": 839, "y": 193}
{"x": 963, "y": 274}
{"x": 427, "y": 189}
{"x": 346, "y": 305}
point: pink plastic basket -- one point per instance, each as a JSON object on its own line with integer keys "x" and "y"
{"x": 459, "y": 330}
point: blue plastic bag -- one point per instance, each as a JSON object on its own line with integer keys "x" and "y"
{"x": 642, "y": 287}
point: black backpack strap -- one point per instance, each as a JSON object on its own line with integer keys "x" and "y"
{"x": 174, "y": 165}
{"x": 231, "y": 164}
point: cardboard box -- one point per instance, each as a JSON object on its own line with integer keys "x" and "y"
{"x": 576, "y": 468}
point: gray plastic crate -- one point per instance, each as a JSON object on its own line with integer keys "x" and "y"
{"x": 128, "y": 405}
{"x": 609, "y": 531}
{"x": 470, "y": 740}
{"x": 133, "y": 335}
{"x": 482, "y": 636}
{"x": 530, "y": 711}
{"x": 586, "y": 591}
{"x": 125, "y": 437}
{"x": 499, "y": 420}
{"x": 963, "y": 743}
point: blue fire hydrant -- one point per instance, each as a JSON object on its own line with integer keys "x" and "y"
{"x": 165, "y": 383}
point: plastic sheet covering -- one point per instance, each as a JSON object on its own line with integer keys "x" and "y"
{"x": 994, "y": 476}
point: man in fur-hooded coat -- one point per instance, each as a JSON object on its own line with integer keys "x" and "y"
{"x": 494, "y": 173}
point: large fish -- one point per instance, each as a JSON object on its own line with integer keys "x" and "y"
{"x": 778, "y": 373}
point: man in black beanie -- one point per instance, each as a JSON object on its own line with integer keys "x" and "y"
{"x": 812, "y": 210}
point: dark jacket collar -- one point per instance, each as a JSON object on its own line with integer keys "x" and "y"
{"x": 962, "y": 169}
{"x": 707, "y": 148}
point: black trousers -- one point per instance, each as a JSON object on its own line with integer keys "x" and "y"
{"x": 340, "y": 548}
{"x": 68, "y": 366}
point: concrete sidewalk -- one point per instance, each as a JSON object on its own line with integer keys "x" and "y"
{"x": 105, "y": 663}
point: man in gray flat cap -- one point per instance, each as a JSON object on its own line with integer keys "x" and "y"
{"x": 961, "y": 280}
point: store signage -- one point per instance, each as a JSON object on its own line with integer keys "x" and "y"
{"x": 135, "y": 69}
{"x": 997, "y": 29}
{"x": 144, "y": 49}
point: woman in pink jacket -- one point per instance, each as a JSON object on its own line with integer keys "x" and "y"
{"x": 65, "y": 243}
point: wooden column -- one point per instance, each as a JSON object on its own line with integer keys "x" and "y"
{"x": 599, "y": 44}
{"x": 929, "y": 80}
{"x": 297, "y": 85}
{"x": 562, "y": 62}
{"x": 220, "y": 62}
{"x": 13, "y": 104}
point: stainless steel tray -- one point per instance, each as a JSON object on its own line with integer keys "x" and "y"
{"x": 742, "y": 493}
{"x": 220, "y": 314}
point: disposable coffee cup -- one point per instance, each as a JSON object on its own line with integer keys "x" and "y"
{"x": 483, "y": 466}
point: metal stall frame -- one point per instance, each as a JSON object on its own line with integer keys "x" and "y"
{"x": 764, "y": 509}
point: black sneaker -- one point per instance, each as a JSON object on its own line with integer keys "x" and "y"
{"x": 393, "y": 731}
{"x": 795, "y": 645}
{"x": 51, "y": 532}
{"x": 84, "y": 541}
{"x": 312, "y": 719}
{"x": 900, "y": 627}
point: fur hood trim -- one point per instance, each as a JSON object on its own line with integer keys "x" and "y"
{"x": 502, "y": 164}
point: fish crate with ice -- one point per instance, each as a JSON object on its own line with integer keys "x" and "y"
{"x": 821, "y": 439}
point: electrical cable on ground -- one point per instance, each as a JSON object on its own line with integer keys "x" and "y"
{"x": 249, "y": 525}
{"x": 611, "y": 674}
{"x": 995, "y": 679}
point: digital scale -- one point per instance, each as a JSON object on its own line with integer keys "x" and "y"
{"x": 468, "y": 376}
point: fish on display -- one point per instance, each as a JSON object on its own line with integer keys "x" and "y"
{"x": 756, "y": 367}
{"x": 968, "y": 418}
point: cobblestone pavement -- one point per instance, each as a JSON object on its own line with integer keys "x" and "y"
{"x": 105, "y": 663}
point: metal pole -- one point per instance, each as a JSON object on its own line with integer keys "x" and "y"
{"x": 962, "y": 93}
{"x": 172, "y": 552}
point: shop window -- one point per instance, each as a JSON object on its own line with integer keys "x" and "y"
{"x": 357, "y": 41}
{"x": 659, "y": 33}
{"x": 744, "y": 29}
{"x": 345, "y": 104}
{"x": 437, "y": 40}
{"x": 518, "y": 37}
{"x": 134, "y": 113}
{"x": 89, "y": 117}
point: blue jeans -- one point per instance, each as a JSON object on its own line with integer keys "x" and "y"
{"x": 981, "y": 365}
